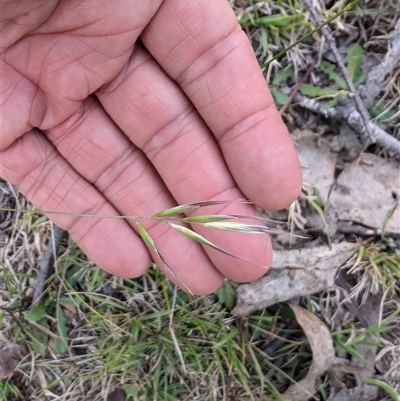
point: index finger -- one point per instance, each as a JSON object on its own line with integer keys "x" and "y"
{"x": 200, "y": 45}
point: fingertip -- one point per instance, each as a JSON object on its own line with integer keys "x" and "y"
{"x": 259, "y": 262}
{"x": 263, "y": 160}
{"x": 113, "y": 246}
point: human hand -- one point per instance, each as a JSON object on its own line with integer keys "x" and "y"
{"x": 131, "y": 107}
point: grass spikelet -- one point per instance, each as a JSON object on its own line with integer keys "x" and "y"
{"x": 150, "y": 243}
{"x": 189, "y": 207}
{"x": 208, "y": 218}
{"x": 240, "y": 227}
{"x": 204, "y": 241}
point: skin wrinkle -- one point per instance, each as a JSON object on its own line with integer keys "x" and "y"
{"x": 183, "y": 80}
{"x": 242, "y": 127}
{"x": 111, "y": 172}
{"x": 42, "y": 171}
{"x": 17, "y": 21}
{"x": 182, "y": 120}
{"x": 79, "y": 119}
{"x": 122, "y": 75}
{"x": 86, "y": 10}
{"x": 94, "y": 222}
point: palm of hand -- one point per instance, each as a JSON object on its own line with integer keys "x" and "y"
{"x": 95, "y": 122}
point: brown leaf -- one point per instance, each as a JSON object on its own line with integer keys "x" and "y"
{"x": 10, "y": 354}
{"x": 294, "y": 273}
{"x": 323, "y": 354}
{"x": 365, "y": 192}
{"x": 318, "y": 162}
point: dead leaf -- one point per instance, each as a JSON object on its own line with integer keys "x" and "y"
{"x": 294, "y": 273}
{"x": 365, "y": 192}
{"x": 11, "y": 354}
{"x": 323, "y": 354}
{"x": 317, "y": 161}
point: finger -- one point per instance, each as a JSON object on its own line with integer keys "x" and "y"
{"x": 40, "y": 172}
{"x": 82, "y": 45}
{"x": 97, "y": 149}
{"x": 17, "y": 18}
{"x": 201, "y": 46}
{"x": 153, "y": 112}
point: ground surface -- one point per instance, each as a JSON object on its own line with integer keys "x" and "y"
{"x": 96, "y": 337}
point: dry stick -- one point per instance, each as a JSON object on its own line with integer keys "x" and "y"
{"x": 353, "y": 118}
{"x": 331, "y": 42}
{"x": 48, "y": 261}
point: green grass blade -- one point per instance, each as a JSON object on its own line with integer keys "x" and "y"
{"x": 384, "y": 386}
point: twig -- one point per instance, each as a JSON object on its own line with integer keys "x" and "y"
{"x": 48, "y": 261}
{"x": 353, "y": 118}
{"x": 362, "y": 111}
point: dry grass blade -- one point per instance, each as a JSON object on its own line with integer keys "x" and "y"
{"x": 204, "y": 241}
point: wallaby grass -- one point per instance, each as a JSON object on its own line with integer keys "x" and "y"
{"x": 90, "y": 332}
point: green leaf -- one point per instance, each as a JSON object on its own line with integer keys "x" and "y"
{"x": 330, "y": 70}
{"x": 60, "y": 342}
{"x": 39, "y": 337}
{"x": 282, "y": 76}
{"x": 316, "y": 91}
{"x": 74, "y": 274}
{"x": 36, "y": 313}
{"x": 264, "y": 40}
{"x": 280, "y": 97}
{"x": 278, "y": 20}
{"x": 360, "y": 78}
{"x": 227, "y": 295}
{"x": 355, "y": 55}
{"x": 332, "y": 103}
{"x": 130, "y": 391}
{"x": 70, "y": 300}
